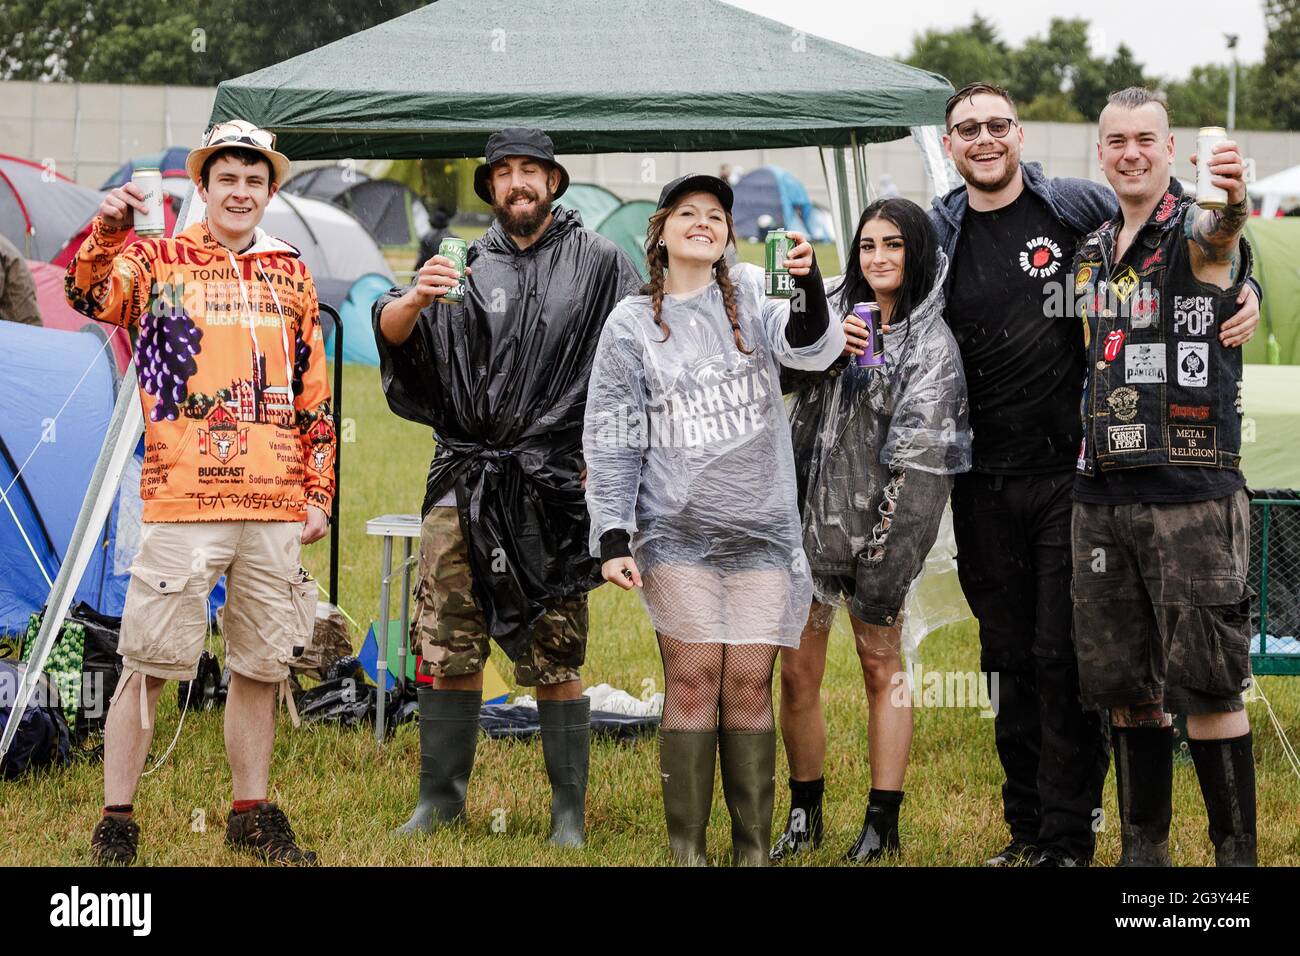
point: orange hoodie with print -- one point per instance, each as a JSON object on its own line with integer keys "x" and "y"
{"x": 237, "y": 413}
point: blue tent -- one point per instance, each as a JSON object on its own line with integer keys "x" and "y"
{"x": 358, "y": 332}
{"x": 47, "y": 453}
{"x": 775, "y": 192}
{"x": 169, "y": 162}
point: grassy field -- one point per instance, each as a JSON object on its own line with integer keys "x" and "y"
{"x": 344, "y": 794}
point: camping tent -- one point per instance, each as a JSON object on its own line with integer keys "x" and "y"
{"x": 390, "y": 210}
{"x": 41, "y": 210}
{"x": 170, "y": 163}
{"x": 776, "y": 193}
{"x": 1276, "y": 244}
{"x": 1271, "y": 426}
{"x": 626, "y": 226}
{"x": 593, "y": 203}
{"x": 336, "y": 247}
{"x": 1274, "y": 190}
{"x": 52, "y": 451}
{"x": 57, "y": 314}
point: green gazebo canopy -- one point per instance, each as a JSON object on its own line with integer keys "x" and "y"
{"x": 598, "y": 76}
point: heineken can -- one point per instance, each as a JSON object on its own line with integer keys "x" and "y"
{"x": 455, "y": 250}
{"x": 149, "y": 225}
{"x": 779, "y": 284}
{"x": 874, "y": 354}
{"x": 1208, "y": 196}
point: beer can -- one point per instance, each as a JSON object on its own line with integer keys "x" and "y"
{"x": 778, "y": 283}
{"x": 874, "y": 355}
{"x": 1208, "y": 196}
{"x": 456, "y": 250}
{"x": 149, "y": 181}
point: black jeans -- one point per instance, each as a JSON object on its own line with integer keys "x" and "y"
{"x": 1014, "y": 561}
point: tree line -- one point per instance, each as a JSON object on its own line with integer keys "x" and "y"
{"x": 1059, "y": 78}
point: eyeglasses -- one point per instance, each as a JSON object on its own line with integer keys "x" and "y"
{"x": 997, "y": 127}
{"x": 236, "y": 131}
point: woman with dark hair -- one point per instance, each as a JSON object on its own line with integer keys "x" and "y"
{"x": 876, "y": 451}
{"x": 691, "y": 490}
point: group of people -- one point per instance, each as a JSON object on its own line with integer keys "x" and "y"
{"x": 1060, "y": 360}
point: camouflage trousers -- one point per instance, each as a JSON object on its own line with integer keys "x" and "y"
{"x": 448, "y": 630}
{"x": 1161, "y": 604}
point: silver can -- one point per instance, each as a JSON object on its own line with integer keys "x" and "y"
{"x": 1208, "y": 196}
{"x": 149, "y": 225}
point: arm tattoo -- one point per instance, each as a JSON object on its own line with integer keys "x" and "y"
{"x": 1215, "y": 231}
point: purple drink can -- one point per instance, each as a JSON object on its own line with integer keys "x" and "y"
{"x": 874, "y": 356}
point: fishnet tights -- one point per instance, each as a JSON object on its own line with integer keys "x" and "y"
{"x": 705, "y": 681}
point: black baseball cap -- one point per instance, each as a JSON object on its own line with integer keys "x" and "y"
{"x": 517, "y": 141}
{"x": 697, "y": 183}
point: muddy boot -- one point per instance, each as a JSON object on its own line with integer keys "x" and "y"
{"x": 448, "y": 736}
{"x": 686, "y": 762}
{"x": 1144, "y": 783}
{"x": 566, "y": 738}
{"x": 748, "y": 759}
{"x": 1226, "y": 771}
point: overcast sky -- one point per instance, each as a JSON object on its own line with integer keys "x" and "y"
{"x": 1167, "y": 38}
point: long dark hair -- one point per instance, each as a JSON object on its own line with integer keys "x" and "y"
{"x": 920, "y": 259}
{"x": 656, "y": 257}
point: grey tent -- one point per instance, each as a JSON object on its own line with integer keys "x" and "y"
{"x": 390, "y": 210}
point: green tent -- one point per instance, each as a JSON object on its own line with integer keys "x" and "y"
{"x": 1276, "y": 244}
{"x": 593, "y": 203}
{"x": 626, "y": 226}
{"x": 631, "y": 76}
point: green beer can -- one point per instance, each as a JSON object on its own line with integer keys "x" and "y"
{"x": 778, "y": 284}
{"x": 455, "y": 250}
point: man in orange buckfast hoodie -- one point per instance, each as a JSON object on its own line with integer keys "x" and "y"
{"x": 238, "y": 469}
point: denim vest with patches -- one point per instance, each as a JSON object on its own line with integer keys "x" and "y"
{"x": 1160, "y": 388}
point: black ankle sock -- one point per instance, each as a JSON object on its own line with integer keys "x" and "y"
{"x": 1144, "y": 778}
{"x": 1226, "y": 772}
{"x": 805, "y": 793}
{"x": 885, "y": 798}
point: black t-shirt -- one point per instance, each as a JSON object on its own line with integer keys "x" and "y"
{"x": 1021, "y": 345}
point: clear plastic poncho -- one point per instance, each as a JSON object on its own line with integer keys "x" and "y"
{"x": 856, "y": 428}
{"x": 687, "y": 446}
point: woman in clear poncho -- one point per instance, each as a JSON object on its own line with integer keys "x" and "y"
{"x": 877, "y": 449}
{"x": 692, "y": 494}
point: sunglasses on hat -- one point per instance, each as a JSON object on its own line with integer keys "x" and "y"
{"x": 233, "y": 133}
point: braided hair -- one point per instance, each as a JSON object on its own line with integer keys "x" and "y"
{"x": 657, "y": 260}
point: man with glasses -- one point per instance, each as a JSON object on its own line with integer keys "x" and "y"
{"x": 1011, "y": 233}
{"x": 238, "y": 469}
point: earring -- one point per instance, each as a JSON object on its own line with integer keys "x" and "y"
{"x": 661, "y": 243}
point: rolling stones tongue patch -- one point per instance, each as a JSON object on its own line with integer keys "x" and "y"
{"x": 1114, "y": 342}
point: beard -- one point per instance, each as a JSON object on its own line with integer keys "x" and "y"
{"x": 522, "y": 223}
{"x": 990, "y": 180}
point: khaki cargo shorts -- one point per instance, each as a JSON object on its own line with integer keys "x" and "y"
{"x": 1161, "y": 604}
{"x": 270, "y": 602}
{"x": 448, "y": 630}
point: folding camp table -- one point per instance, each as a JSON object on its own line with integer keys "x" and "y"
{"x": 406, "y": 527}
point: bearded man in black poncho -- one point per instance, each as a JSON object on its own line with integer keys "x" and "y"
{"x": 501, "y": 378}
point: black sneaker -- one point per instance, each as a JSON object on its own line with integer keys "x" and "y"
{"x": 1017, "y": 853}
{"x": 114, "y": 841}
{"x": 265, "y": 831}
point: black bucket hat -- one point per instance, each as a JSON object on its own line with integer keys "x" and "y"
{"x": 517, "y": 141}
{"x": 697, "y": 183}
